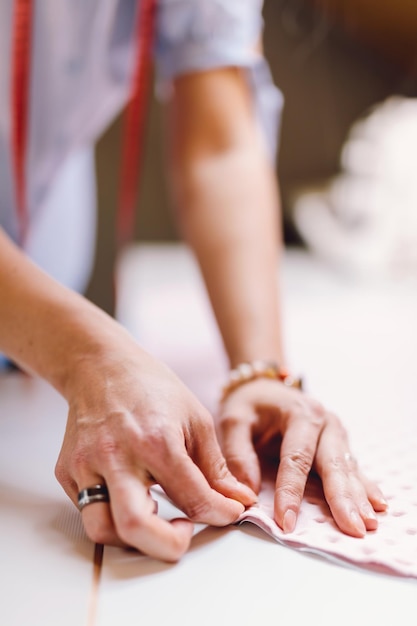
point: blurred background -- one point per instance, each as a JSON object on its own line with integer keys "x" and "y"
{"x": 335, "y": 62}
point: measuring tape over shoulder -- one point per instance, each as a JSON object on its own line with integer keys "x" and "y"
{"x": 135, "y": 115}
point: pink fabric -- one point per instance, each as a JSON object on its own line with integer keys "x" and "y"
{"x": 188, "y": 341}
{"x": 392, "y": 548}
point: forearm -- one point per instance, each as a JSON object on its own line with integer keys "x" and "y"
{"x": 44, "y": 327}
{"x": 228, "y": 207}
{"x": 229, "y": 218}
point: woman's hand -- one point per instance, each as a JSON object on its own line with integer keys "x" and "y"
{"x": 131, "y": 424}
{"x": 264, "y": 419}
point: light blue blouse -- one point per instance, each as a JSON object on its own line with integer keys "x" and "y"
{"x": 82, "y": 58}
{"x": 203, "y": 34}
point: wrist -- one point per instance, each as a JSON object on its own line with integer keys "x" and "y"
{"x": 248, "y": 371}
{"x": 256, "y": 346}
{"x": 89, "y": 340}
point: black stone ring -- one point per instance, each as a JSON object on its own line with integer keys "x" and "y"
{"x": 90, "y": 495}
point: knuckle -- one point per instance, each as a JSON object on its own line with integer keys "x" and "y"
{"x": 338, "y": 463}
{"x": 175, "y": 550}
{"x": 99, "y": 533}
{"x": 307, "y": 409}
{"x": 316, "y": 406}
{"x": 198, "y": 510}
{"x": 288, "y": 490}
{"x": 109, "y": 449}
{"x": 156, "y": 442}
{"x": 61, "y": 473}
{"x": 64, "y": 478}
{"x": 316, "y": 413}
{"x": 128, "y": 525}
{"x": 337, "y": 426}
{"x": 160, "y": 454}
{"x": 79, "y": 461}
{"x": 298, "y": 460}
{"x": 334, "y": 498}
{"x": 228, "y": 418}
{"x": 235, "y": 459}
{"x": 220, "y": 469}
{"x": 107, "y": 452}
{"x": 205, "y": 423}
{"x": 228, "y": 422}
{"x": 108, "y": 446}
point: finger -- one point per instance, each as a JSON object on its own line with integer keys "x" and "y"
{"x": 207, "y": 454}
{"x": 344, "y": 501}
{"x": 186, "y": 485}
{"x": 374, "y": 494}
{"x": 359, "y": 492}
{"x": 98, "y": 524}
{"x": 97, "y": 518}
{"x": 137, "y": 524}
{"x": 345, "y": 493}
{"x": 298, "y": 449}
{"x": 237, "y": 446}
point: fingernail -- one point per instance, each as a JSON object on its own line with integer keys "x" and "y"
{"x": 358, "y": 522}
{"x": 289, "y": 521}
{"x": 371, "y": 520}
{"x": 241, "y": 510}
{"x": 230, "y": 515}
{"x": 249, "y": 493}
{"x": 370, "y": 514}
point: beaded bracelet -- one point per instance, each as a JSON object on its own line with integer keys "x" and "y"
{"x": 246, "y": 372}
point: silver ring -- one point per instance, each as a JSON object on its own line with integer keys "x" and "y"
{"x": 349, "y": 458}
{"x": 90, "y": 495}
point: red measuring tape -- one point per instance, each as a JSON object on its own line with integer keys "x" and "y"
{"x": 21, "y": 48}
{"x": 133, "y": 139}
{"x": 135, "y": 115}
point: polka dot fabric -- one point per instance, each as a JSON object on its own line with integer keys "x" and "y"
{"x": 392, "y": 548}
{"x": 358, "y": 332}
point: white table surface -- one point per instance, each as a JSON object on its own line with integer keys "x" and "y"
{"x": 358, "y": 345}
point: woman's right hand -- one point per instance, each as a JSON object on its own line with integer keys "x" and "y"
{"x": 132, "y": 423}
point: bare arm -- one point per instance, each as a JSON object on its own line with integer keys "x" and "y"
{"x": 226, "y": 195}
{"x": 131, "y": 422}
{"x": 45, "y": 327}
{"x": 227, "y": 201}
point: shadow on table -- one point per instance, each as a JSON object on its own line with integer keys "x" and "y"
{"x": 54, "y": 523}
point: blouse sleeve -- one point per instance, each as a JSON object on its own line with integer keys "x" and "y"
{"x": 198, "y": 35}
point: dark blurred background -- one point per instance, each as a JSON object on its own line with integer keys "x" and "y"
{"x": 332, "y": 59}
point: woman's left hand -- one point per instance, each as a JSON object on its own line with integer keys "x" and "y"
{"x": 264, "y": 417}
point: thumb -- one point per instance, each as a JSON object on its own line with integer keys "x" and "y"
{"x": 207, "y": 454}
{"x": 235, "y": 437}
